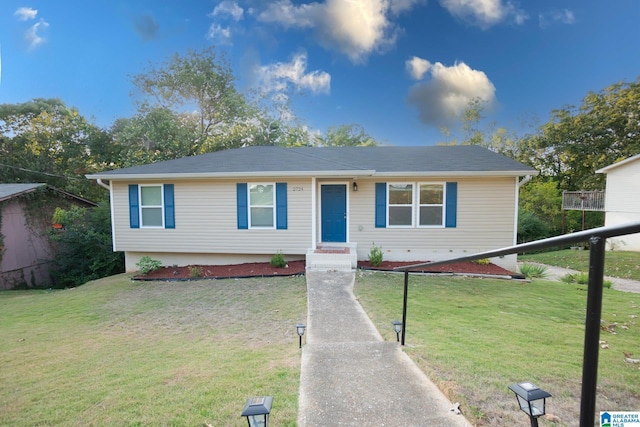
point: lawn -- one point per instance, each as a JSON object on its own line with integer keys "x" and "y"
{"x": 623, "y": 264}
{"x": 474, "y": 337}
{"x": 116, "y": 352}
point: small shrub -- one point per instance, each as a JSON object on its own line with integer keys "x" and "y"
{"x": 278, "y": 261}
{"x": 534, "y": 271}
{"x": 147, "y": 265}
{"x": 583, "y": 279}
{"x": 376, "y": 255}
{"x": 195, "y": 271}
{"x": 482, "y": 261}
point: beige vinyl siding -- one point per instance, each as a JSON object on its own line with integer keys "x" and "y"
{"x": 485, "y": 220}
{"x": 623, "y": 203}
{"x": 206, "y": 221}
{"x": 623, "y": 189}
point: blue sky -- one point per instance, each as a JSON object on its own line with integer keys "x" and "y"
{"x": 400, "y": 68}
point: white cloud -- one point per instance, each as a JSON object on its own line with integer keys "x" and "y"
{"x": 417, "y": 67}
{"x": 279, "y": 77}
{"x": 484, "y": 13}
{"x": 444, "y": 97}
{"x": 26, "y": 13}
{"x": 355, "y": 27}
{"x": 219, "y": 34}
{"x": 32, "y": 36}
{"x": 228, "y": 8}
{"x": 564, "y": 16}
{"x": 399, "y": 6}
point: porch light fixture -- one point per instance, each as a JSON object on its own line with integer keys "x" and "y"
{"x": 397, "y": 327}
{"x": 300, "y": 329}
{"x": 531, "y": 399}
{"x": 355, "y": 186}
{"x": 257, "y": 411}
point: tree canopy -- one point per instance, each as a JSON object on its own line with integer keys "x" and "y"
{"x": 577, "y": 141}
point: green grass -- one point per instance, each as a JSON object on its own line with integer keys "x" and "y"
{"x": 623, "y": 264}
{"x": 115, "y": 352}
{"x": 474, "y": 337}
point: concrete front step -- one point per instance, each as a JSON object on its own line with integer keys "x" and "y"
{"x": 332, "y": 257}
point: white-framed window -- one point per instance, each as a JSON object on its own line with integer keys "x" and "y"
{"x": 262, "y": 202}
{"x": 151, "y": 206}
{"x": 431, "y": 205}
{"x": 400, "y": 204}
{"x": 411, "y": 204}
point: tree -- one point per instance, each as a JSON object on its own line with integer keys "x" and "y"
{"x": 351, "y": 135}
{"x": 85, "y": 250}
{"x": 493, "y": 137}
{"x": 43, "y": 140}
{"x": 577, "y": 141}
{"x": 196, "y": 95}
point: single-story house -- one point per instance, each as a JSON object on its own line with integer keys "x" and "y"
{"x": 247, "y": 204}
{"x": 26, "y": 211}
{"x": 622, "y": 200}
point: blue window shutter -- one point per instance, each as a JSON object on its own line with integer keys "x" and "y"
{"x": 242, "y": 202}
{"x": 451, "y": 205}
{"x": 281, "y": 205}
{"x": 381, "y": 204}
{"x": 134, "y": 207}
{"x": 169, "y": 207}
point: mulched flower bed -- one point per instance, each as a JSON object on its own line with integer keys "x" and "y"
{"x": 460, "y": 268}
{"x": 294, "y": 268}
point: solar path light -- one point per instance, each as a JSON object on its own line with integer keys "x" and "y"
{"x": 300, "y": 329}
{"x": 531, "y": 399}
{"x": 397, "y": 327}
{"x": 257, "y": 411}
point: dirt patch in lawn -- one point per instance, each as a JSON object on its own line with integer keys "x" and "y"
{"x": 293, "y": 268}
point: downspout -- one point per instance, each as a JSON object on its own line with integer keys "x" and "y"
{"x": 102, "y": 184}
{"x": 112, "y": 209}
{"x": 526, "y": 179}
{"x": 519, "y": 184}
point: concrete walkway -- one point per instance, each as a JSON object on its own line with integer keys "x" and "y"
{"x": 351, "y": 377}
{"x": 557, "y": 273}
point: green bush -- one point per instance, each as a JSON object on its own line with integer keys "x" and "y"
{"x": 195, "y": 271}
{"x": 278, "y": 260}
{"x": 534, "y": 271}
{"x": 482, "y": 261}
{"x": 147, "y": 265}
{"x": 376, "y": 255}
{"x": 583, "y": 279}
{"x": 84, "y": 249}
{"x": 531, "y": 227}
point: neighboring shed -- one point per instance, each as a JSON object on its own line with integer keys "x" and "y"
{"x": 243, "y": 205}
{"x": 25, "y": 220}
{"x": 622, "y": 204}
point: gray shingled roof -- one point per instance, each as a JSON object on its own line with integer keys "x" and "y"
{"x": 270, "y": 160}
{"x": 7, "y": 191}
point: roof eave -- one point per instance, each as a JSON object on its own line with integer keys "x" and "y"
{"x": 219, "y": 175}
{"x": 458, "y": 173}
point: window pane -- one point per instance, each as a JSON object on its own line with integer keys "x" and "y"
{"x": 151, "y": 196}
{"x": 262, "y": 217}
{"x": 431, "y": 194}
{"x": 430, "y": 215}
{"x": 152, "y": 217}
{"x": 400, "y": 194}
{"x": 400, "y": 215}
{"x": 260, "y": 194}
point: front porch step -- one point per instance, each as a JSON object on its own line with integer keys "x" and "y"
{"x": 332, "y": 257}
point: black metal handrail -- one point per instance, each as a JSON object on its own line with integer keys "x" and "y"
{"x": 596, "y": 238}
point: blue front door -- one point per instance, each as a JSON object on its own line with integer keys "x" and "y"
{"x": 334, "y": 212}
